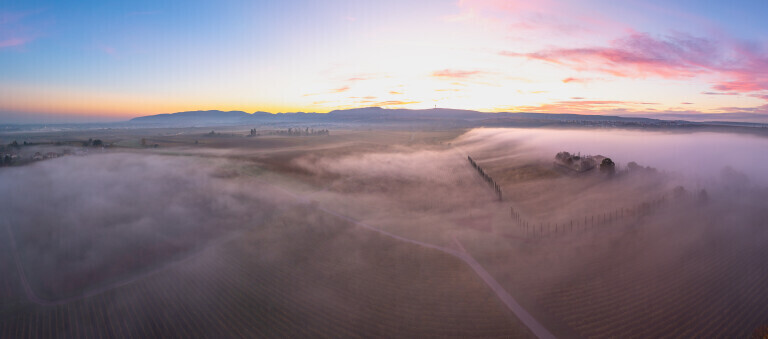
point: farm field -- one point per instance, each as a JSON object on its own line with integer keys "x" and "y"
{"x": 370, "y": 233}
{"x": 269, "y": 282}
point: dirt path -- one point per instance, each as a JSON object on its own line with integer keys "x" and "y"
{"x": 537, "y": 328}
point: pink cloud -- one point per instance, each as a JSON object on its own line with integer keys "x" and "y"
{"x": 108, "y": 50}
{"x": 363, "y": 77}
{"x": 737, "y": 66}
{"x": 758, "y": 109}
{"x": 395, "y": 93}
{"x": 16, "y": 29}
{"x": 11, "y": 42}
{"x": 745, "y": 85}
{"x": 578, "y": 106}
{"x": 548, "y": 17}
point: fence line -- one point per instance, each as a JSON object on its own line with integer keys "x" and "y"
{"x": 539, "y": 229}
{"x": 487, "y": 178}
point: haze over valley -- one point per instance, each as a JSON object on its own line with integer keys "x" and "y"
{"x": 392, "y": 225}
{"x": 392, "y": 169}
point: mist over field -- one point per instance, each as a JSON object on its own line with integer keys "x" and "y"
{"x": 383, "y": 169}
{"x": 365, "y": 227}
{"x": 694, "y": 155}
{"x": 75, "y": 217}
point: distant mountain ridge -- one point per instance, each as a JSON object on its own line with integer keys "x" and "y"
{"x": 370, "y": 114}
{"x": 196, "y": 115}
{"x": 442, "y": 117}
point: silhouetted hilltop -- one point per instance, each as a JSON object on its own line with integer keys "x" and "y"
{"x": 433, "y": 113}
{"x": 434, "y": 117}
{"x": 200, "y": 117}
{"x": 369, "y": 114}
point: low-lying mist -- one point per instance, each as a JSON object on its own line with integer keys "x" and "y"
{"x": 82, "y": 221}
{"x": 570, "y": 246}
{"x": 696, "y": 155}
{"x": 696, "y": 225}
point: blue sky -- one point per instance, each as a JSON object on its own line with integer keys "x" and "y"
{"x": 114, "y": 59}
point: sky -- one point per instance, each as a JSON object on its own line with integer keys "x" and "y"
{"x": 114, "y": 60}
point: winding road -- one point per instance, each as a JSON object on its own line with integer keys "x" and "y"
{"x": 533, "y": 325}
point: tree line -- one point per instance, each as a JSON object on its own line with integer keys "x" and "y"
{"x": 486, "y": 177}
{"x": 300, "y": 132}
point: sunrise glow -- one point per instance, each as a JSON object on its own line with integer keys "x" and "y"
{"x": 593, "y": 57}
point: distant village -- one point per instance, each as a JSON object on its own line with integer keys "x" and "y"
{"x": 17, "y": 153}
{"x": 299, "y": 132}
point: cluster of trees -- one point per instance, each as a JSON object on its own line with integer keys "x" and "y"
{"x": 92, "y": 142}
{"x": 6, "y": 160}
{"x": 575, "y": 161}
{"x": 486, "y": 177}
{"x": 144, "y": 143}
{"x": 635, "y": 168}
{"x": 13, "y": 145}
{"x": 608, "y": 166}
{"x": 302, "y": 132}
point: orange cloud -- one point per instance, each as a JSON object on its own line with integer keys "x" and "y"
{"x": 396, "y": 103}
{"x": 574, "y": 80}
{"x": 455, "y": 74}
{"x": 335, "y": 90}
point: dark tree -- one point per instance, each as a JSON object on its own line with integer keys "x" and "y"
{"x": 607, "y": 166}
{"x": 703, "y": 196}
{"x": 679, "y": 192}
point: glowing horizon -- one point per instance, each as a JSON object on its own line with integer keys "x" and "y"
{"x": 122, "y": 60}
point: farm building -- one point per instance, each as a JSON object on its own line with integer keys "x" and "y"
{"x": 575, "y": 162}
{"x": 579, "y": 163}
